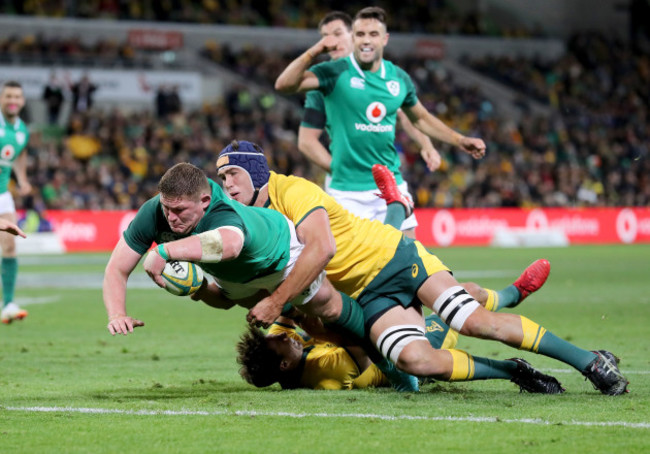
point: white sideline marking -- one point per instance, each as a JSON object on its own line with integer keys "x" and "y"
{"x": 542, "y": 422}
{"x": 38, "y": 300}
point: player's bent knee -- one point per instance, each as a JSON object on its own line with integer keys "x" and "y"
{"x": 418, "y": 358}
{"x": 476, "y": 291}
{"x": 482, "y": 324}
{"x": 455, "y": 306}
{"x": 394, "y": 339}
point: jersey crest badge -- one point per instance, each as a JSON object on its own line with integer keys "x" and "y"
{"x": 357, "y": 82}
{"x": 393, "y": 87}
{"x": 20, "y": 137}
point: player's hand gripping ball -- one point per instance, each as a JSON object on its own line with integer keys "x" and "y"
{"x": 182, "y": 278}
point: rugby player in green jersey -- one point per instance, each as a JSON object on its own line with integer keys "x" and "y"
{"x": 365, "y": 204}
{"x": 362, "y": 94}
{"x": 14, "y": 136}
{"x": 192, "y": 219}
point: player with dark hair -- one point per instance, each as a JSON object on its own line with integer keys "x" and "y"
{"x": 296, "y": 360}
{"x": 14, "y": 136}
{"x": 362, "y": 95}
{"x": 390, "y": 277}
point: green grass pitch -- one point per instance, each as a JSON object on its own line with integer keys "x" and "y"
{"x": 67, "y": 385}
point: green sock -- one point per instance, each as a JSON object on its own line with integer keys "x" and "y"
{"x": 537, "y": 339}
{"x": 506, "y": 297}
{"x": 509, "y": 296}
{"x": 351, "y": 318}
{"x": 395, "y": 215}
{"x": 485, "y": 368}
{"x": 9, "y": 272}
{"x": 557, "y": 348}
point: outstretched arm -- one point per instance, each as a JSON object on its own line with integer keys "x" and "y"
{"x": 10, "y": 227}
{"x": 436, "y": 129}
{"x": 120, "y": 266}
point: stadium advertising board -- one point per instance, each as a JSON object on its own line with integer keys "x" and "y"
{"x": 477, "y": 227}
{"x": 153, "y": 39}
{"x": 112, "y": 85}
{"x": 97, "y": 231}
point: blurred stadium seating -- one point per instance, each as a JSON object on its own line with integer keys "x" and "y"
{"x": 566, "y": 121}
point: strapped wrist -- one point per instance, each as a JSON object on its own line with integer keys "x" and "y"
{"x": 162, "y": 252}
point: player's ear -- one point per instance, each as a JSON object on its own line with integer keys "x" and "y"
{"x": 205, "y": 201}
{"x": 284, "y": 365}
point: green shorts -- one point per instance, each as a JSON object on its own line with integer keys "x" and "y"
{"x": 398, "y": 282}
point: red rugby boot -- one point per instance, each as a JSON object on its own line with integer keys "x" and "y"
{"x": 385, "y": 181}
{"x": 532, "y": 278}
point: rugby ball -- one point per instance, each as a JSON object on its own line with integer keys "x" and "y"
{"x": 182, "y": 278}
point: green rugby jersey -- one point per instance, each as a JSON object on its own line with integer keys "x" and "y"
{"x": 361, "y": 108}
{"x": 266, "y": 235}
{"x": 13, "y": 139}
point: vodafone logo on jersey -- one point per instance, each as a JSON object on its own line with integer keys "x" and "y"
{"x": 376, "y": 112}
{"x": 7, "y": 152}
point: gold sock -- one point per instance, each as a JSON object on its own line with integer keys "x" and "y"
{"x": 492, "y": 303}
{"x": 463, "y": 366}
{"x": 533, "y": 334}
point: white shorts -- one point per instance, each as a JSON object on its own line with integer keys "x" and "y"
{"x": 235, "y": 291}
{"x": 367, "y": 204}
{"x": 7, "y": 203}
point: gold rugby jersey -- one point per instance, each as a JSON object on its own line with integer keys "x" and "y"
{"x": 363, "y": 247}
{"x": 327, "y": 366}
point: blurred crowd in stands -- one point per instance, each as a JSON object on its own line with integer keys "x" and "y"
{"x": 71, "y": 51}
{"x": 416, "y": 16}
{"x": 113, "y": 160}
{"x": 592, "y": 150}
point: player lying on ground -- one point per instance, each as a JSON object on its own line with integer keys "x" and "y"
{"x": 296, "y": 360}
{"x": 390, "y": 276}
